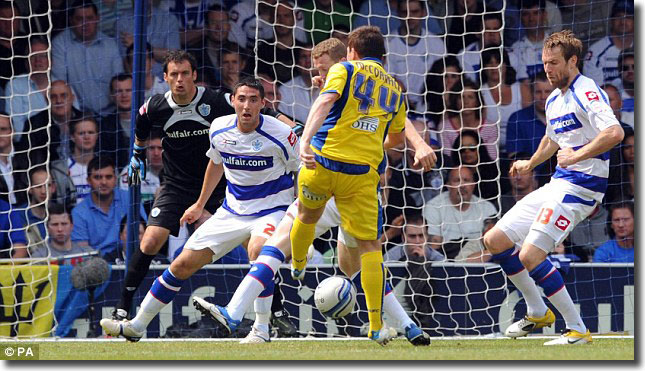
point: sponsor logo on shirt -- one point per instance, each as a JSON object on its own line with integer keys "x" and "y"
{"x": 565, "y": 123}
{"x": 228, "y": 141}
{"x": 562, "y": 223}
{"x": 186, "y": 133}
{"x": 369, "y": 124}
{"x": 248, "y": 163}
{"x": 592, "y": 95}
{"x": 292, "y": 138}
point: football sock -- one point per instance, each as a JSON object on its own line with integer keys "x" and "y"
{"x": 391, "y": 305}
{"x": 509, "y": 260}
{"x": 161, "y": 293}
{"x": 373, "y": 282}
{"x": 262, "y": 307}
{"x": 137, "y": 269}
{"x": 302, "y": 235}
{"x": 552, "y": 283}
{"x": 258, "y": 280}
{"x": 276, "y": 305}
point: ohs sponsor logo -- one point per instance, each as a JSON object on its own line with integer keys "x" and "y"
{"x": 369, "y": 124}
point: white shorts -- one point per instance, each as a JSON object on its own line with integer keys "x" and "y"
{"x": 224, "y": 231}
{"x": 329, "y": 219}
{"x": 550, "y": 209}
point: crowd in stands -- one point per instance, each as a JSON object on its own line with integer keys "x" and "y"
{"x": 474, "y": 84}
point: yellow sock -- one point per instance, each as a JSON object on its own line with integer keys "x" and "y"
{"x": 302, "y": 235}
{"x": 373, "y": 282}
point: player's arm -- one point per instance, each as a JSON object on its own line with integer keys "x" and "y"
{"x": 424, "y": 156}
{"x": 546, "y": 149}
{"x": 137, "y": 167}
{"x": 319, "y": 111}
{"x": 211, "y": 178}
{"x": 606, "y": 140}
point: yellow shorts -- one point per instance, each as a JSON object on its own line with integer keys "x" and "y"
{"x": 355, "y": 189}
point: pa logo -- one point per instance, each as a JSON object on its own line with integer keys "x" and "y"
{"x": 204, "y": 109}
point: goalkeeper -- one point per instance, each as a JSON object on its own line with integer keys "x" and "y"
{"x": 278, "y": 248}
{"x": 183, "y": 115}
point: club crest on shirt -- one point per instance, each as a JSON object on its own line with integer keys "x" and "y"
{"x": 204, "y": 109}
{"x": 256, "y": 145}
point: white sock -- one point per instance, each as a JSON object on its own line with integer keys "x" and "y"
{"x": 394, "y": 310}
{"x": 535, "y": 306}
{"x": 563, "y": 303}
{"x": 249, "y": 289}
{"x": 262, "y": 308}
{"x": 150, "y": 307}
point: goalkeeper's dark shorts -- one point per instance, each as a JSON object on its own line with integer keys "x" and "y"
{"x": 172, "y": 201}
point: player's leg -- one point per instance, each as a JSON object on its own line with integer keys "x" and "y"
{"x": 349, "y": 261}
{"x": 162, "y": 292}
{"x": 314, "y": 189}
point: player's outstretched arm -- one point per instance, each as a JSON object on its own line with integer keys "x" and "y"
{"x": 424, "y": 155}
{"x": 606, "y": 140}
{"x": 211, "y": 178}
{"x": 545, "y": 150}
{"x": 319, "y": 111}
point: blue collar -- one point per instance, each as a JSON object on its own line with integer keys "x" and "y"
{"x": 372, "y": 59}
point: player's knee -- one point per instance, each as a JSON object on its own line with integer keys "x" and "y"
{"x": 152, "y": 241}
{"x": 496, "y": 241}
{"x": 182, "y": 268}
{"x": 529, "y": 261}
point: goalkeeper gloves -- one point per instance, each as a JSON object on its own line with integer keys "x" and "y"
{"x": 298, "y": 128}
{"x": 137, "y": 167}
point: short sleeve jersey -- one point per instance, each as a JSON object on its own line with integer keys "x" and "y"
{"x": 371, "y": 104}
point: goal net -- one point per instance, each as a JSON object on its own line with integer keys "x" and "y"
{"x": 475, "y": 91}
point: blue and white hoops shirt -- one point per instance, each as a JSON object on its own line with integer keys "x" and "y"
{"x": 575, "y": 118}
{"x": 257, "y": 165}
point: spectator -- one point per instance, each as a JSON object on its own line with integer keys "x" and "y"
{"x": 615, "y": 102}
{"x": 601, "y": 62}
{"x": 115, "y": 128}
{"x": 520, "y": 185}
{"x": 13, "y": 243}
{"x": 98, "y": 217}
{"x": 528, "y": 50}
{"x": 408, "y": 187}
{"x": 588, "y": 235}
{"x": 151, "y": 184}
{"x": 153, "y": 84}
{"x": 621, "y": 184}
{"x": 626, "y": 68}
{"x": 162, "y": 33}
{"x": 468, "y": 151}
{"x": 513, "y": 29}
{"x": 84, "y": 138}
{"x": 341, "y": 33}
{"x": 11, "y": 173}
{"x": 27, "y": 94}
{"x": 465, "y": 23}
{"x": 620, "y": 249}
{"x": 112, "y": 10}
{"x": 527, "y": 127}
{"x": 298, "y": 94}
{"x": 490, "y": 39}
{"x": 59, "y": 229}
{"x": 272, "y": 96}
{"x": 277, "y": 56}
{"x": 246, "y": 21}
{"x": 191, "y": 15}
{"x": 586, "y": 18}
{"x": 33, "y": 213}
{"x": 232, "y": 64}
{"x": 415, "y": 243}
{"x": 85, "y": 57}
{"x": 322, "y": 16}
{"x": 466, "y": 111}
{"x": 385, "y": 15}
{"x": 444, "y": 74}
{"x": 208, "y": 49}
{"x": 411, "y": 52}
{"x": 48, "y": 131}
{"x": 502, "y": 94}
{"x": 457, "y": 215}
{"x": 13, "y": 44}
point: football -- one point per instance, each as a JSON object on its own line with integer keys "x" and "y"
{"x": 335, "y": 297}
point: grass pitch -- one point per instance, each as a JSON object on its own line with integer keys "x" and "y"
{"x": 399, "y": 349}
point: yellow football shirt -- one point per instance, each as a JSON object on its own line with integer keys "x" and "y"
{"x": 371, "y": 104}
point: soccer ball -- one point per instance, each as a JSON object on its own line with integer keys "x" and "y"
{"x": 335, "y": 297}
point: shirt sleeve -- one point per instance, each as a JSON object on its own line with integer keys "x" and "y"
{"x": 143, "y": 124}
{"x": 596, "y": 105}
{"x": 336, "y": 79}
{"x": 433, "y": 218}
{"x": 80, "y": 231}
{"x": 212, "y": 152}
{"x": 601, "y": 256}
{"x": 17, "y": 233}
{"x": 398, "y": 122}
{"x": 292, "y": 143}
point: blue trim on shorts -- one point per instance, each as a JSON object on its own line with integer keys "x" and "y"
{"x": 341, "y": 167}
